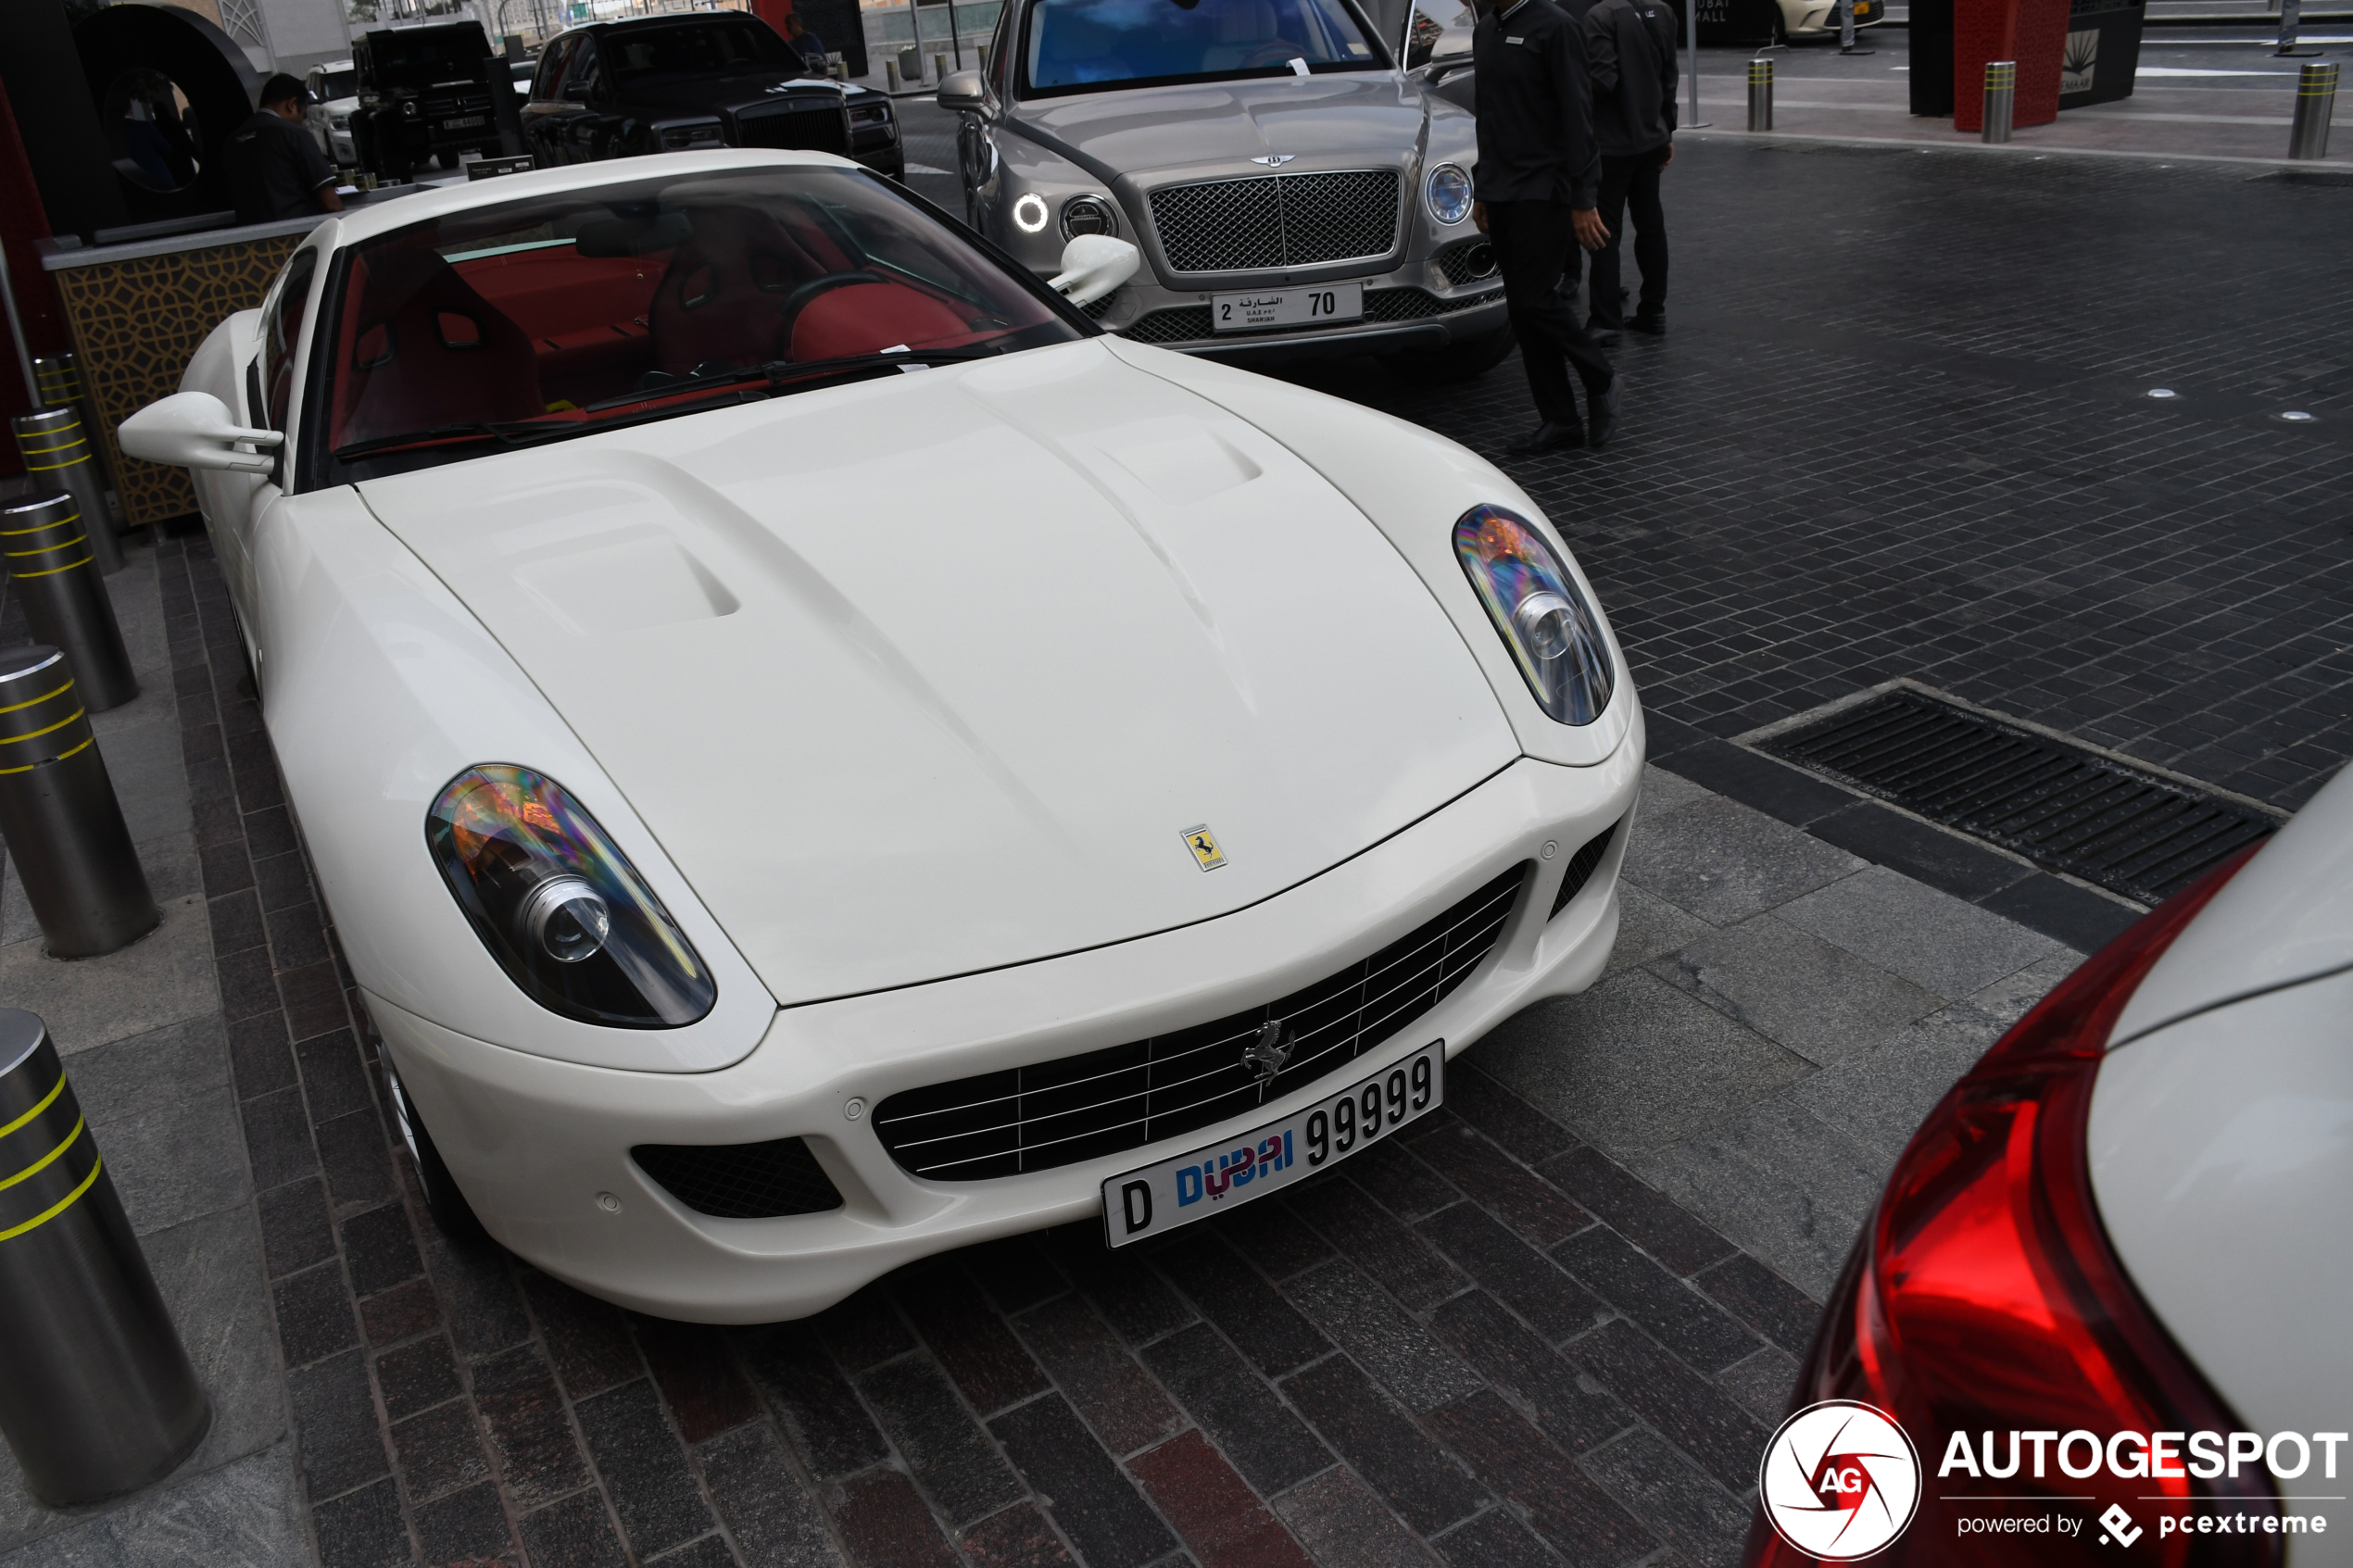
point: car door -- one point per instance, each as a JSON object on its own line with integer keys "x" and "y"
{"x": 266, "y": 392}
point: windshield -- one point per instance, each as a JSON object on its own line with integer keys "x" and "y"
{"x": 560, "y": 315}
{"x": 684, "y": 54}
{"x": 403, "y": 60}
{"x": 338, "y": 84}
{"x": 1087, "y": 45}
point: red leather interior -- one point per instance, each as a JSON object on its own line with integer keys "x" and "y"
{"x": 869, "y": 318}
{"x": 721, "y": 300}
{"x": 426, "y": 349}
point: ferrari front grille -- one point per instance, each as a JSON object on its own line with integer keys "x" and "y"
{"x": 1277, "y": 220}
{"x": 1055, "y": 1113}
{"x": 1581, "y": 866}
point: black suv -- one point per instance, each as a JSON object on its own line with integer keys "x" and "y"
{"x": 669, "y": 84}
{"x": 424, "y": 93}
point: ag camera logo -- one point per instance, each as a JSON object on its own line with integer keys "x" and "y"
{"x": 1840, "y": 1480}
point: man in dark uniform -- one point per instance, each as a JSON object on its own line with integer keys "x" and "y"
{"x": 1538, "y": 174}
{"x": 1629, "y": 52}
{"x": 275, "y": 168}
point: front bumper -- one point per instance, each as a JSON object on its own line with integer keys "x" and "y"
{"x": 537, "y": 1144}
{"x": 1414, "y": 306}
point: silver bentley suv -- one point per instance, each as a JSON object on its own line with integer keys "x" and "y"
{"x": 1294, "y": 189}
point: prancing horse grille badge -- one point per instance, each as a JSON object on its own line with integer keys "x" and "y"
{"x": 1267, "y": 1051}
{"x": 1203, "y": 844}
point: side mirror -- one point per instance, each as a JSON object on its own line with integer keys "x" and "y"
{"x": 575, "y": 93}
{"x": 1093, "y": 265}
{"x": 961, "y": 91}
{"x": 191, "y": 430}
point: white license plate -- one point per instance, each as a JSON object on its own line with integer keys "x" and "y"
{"x": 1287, "y": 308}
{"x": 466, "y": 123}
{"x": 1209, "y": 1181}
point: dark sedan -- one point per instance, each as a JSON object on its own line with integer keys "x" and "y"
{"x": 683, "y": 83}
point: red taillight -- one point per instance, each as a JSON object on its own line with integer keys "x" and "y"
{"x": 1983, "y": 1298}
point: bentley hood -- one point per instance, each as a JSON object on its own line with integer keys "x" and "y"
{"x": 1355, "y": 116}
{"x": 970, "y": 666}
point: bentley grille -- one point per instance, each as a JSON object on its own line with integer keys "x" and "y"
{"x": 1082, "y": 1106}
{"x": 1277, "y": 220}
{"x": 816, "y": 128}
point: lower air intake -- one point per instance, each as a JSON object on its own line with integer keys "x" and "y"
{"x": 740, "y": 1181}
{"x": 1582, "y": 865}
{"x": 1055, "y": 1113}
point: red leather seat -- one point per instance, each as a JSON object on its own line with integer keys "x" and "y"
{"x": 425, "y": 350}
{"x": 721, "y": 301}
{"x": 869, "y": 318}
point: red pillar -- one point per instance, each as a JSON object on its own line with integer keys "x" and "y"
{"x": 772, "y": 12}
{"x": 23, "y": 221}
{"x": 2032, "y": 32}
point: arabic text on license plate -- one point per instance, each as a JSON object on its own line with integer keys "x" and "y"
{"x": 1208, "y": 1180}
{"x": 464, "y": 122}
{"x": 1287, "y": 308}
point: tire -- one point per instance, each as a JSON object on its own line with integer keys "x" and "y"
{"x": 447, "y": 159}
{"x": 443, "y": 1201}
{"x": 1455, "y": 362}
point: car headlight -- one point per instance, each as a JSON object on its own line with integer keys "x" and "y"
{"x": 565, "y": 915}
{"x": 1448, "y": 192}
{"x": 1535, "y": 604}
{"x": 1089, "y": 215}
{"x": 700, "y": 133}
{"x": 1029, "y": 213}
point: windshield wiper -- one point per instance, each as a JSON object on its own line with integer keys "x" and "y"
{"x": 783, "y": 374}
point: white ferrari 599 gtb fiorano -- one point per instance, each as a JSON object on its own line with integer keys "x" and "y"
{"x": 818, "y": 755}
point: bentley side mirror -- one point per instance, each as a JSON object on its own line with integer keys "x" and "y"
{"x": 191, "y": 430}
{"x": 1093, "y": 265}
{"x": 961, "y": 91}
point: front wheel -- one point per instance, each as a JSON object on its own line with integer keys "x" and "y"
{"x": 443, "y": 1201}
{"x": 1455, "y": 362}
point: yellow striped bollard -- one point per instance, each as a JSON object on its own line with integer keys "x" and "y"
{"x": 56, "y": 454}
{"x": 66, "y": 836}
{"x": 46, "y": 546}
{"x": 57, "y": 379}
{"x": 96, "y": 1395}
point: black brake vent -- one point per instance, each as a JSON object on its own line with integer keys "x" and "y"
{"x": 741, "y": 1181}
{"x": 2061, "y": 806}
{"x": 1581, "y": 866}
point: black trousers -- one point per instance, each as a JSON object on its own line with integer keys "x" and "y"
{"x": 1629, "y": 189}
{"x": 1533, "y": 246}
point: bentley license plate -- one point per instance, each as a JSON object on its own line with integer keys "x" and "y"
{"x": 1287, "y": 308}
{"x": 1208, "y": 1180}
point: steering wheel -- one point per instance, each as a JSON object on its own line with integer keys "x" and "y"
{"x": 798, "y": 299}
{"x": 1276, "y": 54}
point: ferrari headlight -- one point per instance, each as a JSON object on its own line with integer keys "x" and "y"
{"x": 567, "y": 917}
{"x": 1448, "y": 191}
{"x": 1535, "y": 604}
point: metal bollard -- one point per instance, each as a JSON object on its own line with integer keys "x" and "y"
{"x": 2001, "y": 94}
{"x": 59, "y": 814}
{"x": 1760, "y": 95}
{"x": 46, "y": 546}
{"x": 96, "y": 1395}
{"x": 2315, "y": 103}
{"x": 55, "y": 453}
{"x": 939, "y": 68}
{"x": 59, "y": 376}
{"x": 891, "y": 77}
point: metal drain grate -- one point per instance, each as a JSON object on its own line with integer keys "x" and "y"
{"x": 2058, "y": 805}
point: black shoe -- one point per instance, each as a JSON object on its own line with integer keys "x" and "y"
{"x": 1653, "y": 325}
{"x": 1600, "y": 408}
{"x": 1549, "y": 436}
{"x": 1601, "y": 331}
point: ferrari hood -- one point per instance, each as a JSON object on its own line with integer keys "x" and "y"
{"x": 969, "y": 666}
{"x": 1354, "y": 115}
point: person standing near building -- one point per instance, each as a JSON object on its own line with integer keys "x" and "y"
{"x": 1538, "y": 178}
{"x": 811, "y": 47}
{"x": 275, "y": 168}
{"x": 1629, "y": 52}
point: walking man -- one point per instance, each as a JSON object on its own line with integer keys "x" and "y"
{"x": 1539, "y": 174}
{"x": 1629, "y": 52}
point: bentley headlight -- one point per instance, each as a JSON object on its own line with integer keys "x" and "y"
{"x": 1535, "y": 604}
{"x": 1448, "y": 191}
{"x": 1029, "y": 213}
{"x": 567, "y": 917}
